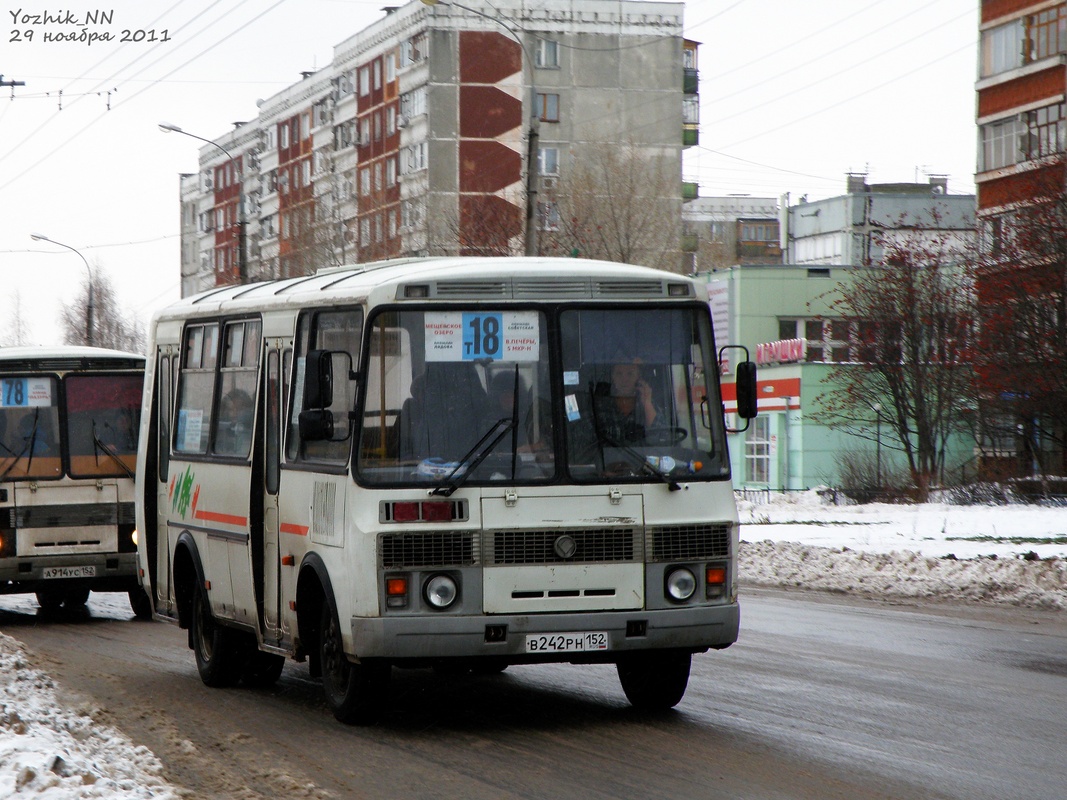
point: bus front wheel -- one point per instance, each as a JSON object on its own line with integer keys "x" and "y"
{"x": 655, "y": 680}
{"x": 217, "y": 648}
{"x": 355, "y": 693}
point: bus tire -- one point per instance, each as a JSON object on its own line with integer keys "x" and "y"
{"x": 76, "y": 598}
{"x": 262, "y": 670}
{"x": 355, "y": 693}
{"x": 50, "y": 599}
{"x": 655, "y": 680}
{"x": 217, "y": 648}
{"x": 141, "y": 603}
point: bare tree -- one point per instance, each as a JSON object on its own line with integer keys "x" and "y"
{"x": 1022, "y": 286}
{"x": 909, "y": 324}
{"x": 617, "y": 202}
{"x": 112, "y": 326}
{"x": 16, "y": 333}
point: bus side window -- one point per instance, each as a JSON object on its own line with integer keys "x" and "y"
{"x": 196, "y": 389}
{"x": 164, "y": 398}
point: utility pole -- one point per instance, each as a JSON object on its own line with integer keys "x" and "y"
{"x": 12, "y": 84}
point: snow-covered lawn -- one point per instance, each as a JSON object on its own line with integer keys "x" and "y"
{"x": 1002, "y": 554}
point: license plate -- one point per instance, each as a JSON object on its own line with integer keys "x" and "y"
{"x": 69, "y": 572}
{"x": 566, "y": 642}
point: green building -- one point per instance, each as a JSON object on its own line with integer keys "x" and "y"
{"x": 782, "y": 315}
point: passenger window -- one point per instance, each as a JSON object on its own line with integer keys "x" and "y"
{"x": 237, "y": 389}
{"x": 196, "y": 392}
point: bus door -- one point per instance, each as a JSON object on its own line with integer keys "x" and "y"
{"x": 273, "y": 393}
{"x": 166, "y": 379}
{"x": 312, "y": 486}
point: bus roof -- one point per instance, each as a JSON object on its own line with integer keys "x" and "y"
{"x": 456, "y": 278}
{"x": 67, "y": 357}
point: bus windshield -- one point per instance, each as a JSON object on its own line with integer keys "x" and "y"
{"x": 29, "y": 427}
{"x": 473, "y": 396}
{"x": 103, "y": 414}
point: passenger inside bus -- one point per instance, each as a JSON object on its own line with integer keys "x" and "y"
{"x": 447, "y": 413}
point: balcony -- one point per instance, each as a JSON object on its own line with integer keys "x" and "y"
{"x": 690, "y": 81}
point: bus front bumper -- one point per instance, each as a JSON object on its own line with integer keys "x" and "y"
{"x": 436, "y": 636}
{"x": 101, "y": 572}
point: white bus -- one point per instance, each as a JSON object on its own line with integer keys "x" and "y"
{"x": 69, "y": 419}
{"x": 455, "y": 462}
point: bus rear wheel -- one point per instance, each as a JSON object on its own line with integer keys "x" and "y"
{"x": 655, "y": 680}
{"x": 355, "y": 693}
{"x": 217, "y": 648}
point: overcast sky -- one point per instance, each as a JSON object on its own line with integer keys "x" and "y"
{"x": 793, "y": 96}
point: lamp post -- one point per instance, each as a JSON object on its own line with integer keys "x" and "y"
{"x": 40, "y": 237}
{"x": 242, "y": 259}
{"x": 533, "y": 135}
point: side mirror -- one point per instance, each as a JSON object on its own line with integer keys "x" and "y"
{"x": 316, "y": 425}
{"x": 745, "y": 381}
{"x": 318, "y": 380}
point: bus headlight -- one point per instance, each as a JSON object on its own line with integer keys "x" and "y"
{"x": 440, "y": 591}
{"x": 681, "y": 583}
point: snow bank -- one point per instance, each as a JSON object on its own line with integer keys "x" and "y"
{"x": 55, "y": 753}
{"x": 1009, "y": 554}
{"x": 1015, "y": 581}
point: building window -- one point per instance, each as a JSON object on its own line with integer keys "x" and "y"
{"x": 829, "y": 341}
{"x": 759, "y": 232}
{"x": 390, "y": 120}
{"x": 758, "y": 451}
{"x": 413, "y": 51}
{"x": 1045, "y": 132}
{"x": 283, "y": 135}
{"x": 413, "y": 103}
{"x": 717, "y": 230}
{"x": 547, "y": 54}
{"x": 1046, "y": 33}
{"x": 390, "y": 67}
{"x": 548, "y": 107}
{"x": 414, "y": 158}
{"x": 690, "y": 111}
{"x": 548, "y": 214}
{"x": 364, "y": 81}
{"x": 1000, "y": 144}
{"x": 1002, "y": 48}
{"x": 548, "y": 160}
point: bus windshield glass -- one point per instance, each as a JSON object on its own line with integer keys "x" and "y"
{"x": 472, "y": 396}
{"x": 460, "y": 394}
{"x": 639, "y": 397}
{"x": 29, "y": 427}
{"x": 103, "y": 413}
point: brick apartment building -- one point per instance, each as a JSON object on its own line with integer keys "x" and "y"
{"x": 441, "y": 129}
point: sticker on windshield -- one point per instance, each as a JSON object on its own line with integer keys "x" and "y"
{"x": 23, "y": 392}
{"x": 570, "y": 403}
{"x": 482, "y": 335}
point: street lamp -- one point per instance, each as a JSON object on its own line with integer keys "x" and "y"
{"x": 40, "y": 237}
{"x": 531, "y": 245}
{"x": 242, "y": 259}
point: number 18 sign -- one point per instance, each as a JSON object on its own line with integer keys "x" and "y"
{"x": 478, "y": 335}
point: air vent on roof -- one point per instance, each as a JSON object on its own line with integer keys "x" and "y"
{"x": 631, "y": 288}
{"x": 471, "y": 289}
{"x": 551, "y": 287}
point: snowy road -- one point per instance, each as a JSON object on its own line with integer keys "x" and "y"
{"x": 821, "y": 698}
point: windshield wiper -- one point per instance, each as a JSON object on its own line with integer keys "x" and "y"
{"x": 99, "y": 445}
{"x": 636, "y": 457}
{"x": 29, "y": 445}
{"x": 477, "y": 454}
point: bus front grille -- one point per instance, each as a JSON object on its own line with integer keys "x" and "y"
{"x": 689, "y": 542}
{"x": 561, "y": 546}
{"x": 427, "y": 549}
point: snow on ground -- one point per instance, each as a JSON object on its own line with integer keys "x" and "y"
{"x": 1015, "y": 554}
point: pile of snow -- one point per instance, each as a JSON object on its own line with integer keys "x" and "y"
{"x": 56, "y": 753}
{"x": 1014, "y": 554}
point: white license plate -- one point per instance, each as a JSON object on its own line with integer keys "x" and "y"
{"x": 69, "y": 572}
{"x": 566, "y": 642}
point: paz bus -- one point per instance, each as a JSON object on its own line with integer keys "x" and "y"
{"x": 459, "y": 463}
{"x": 69, "y": 420}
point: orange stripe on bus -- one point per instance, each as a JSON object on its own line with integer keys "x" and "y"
{"x": 296, "y": 530}
{"x": 226, "y": 519}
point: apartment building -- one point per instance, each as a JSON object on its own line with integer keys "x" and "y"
{"x": 446, "y": 128}
{"x": 723, "y": 231}
{"x": 854, "y": 229}
{"x": 1021, "y": 87}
